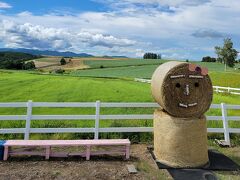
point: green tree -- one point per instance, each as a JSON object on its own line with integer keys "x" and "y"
{"x": 226, "y": 54}
{"x": 29, "y": 65}
{"x": 208, "y": 59}
{"x": 63, "y": 61}
{"x": 151, "y": 56}
{"x": 16, "y": 60}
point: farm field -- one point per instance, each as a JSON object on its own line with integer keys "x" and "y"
{"x": 22, "y": 86}
{"x": 230, "y": 79}
{"x": 133, "y": 68}
{"x": 93, "y": 63}
{"x": 132, "y": 63}
{"x": 126, "y": 69}
{"x": 101, "y": 62}
{"x": 120, "y": 63}
{"x": 52, "y": 63}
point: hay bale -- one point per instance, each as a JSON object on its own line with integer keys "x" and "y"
{"x": 182, "y": 89}
{"x": 180, "y": 142}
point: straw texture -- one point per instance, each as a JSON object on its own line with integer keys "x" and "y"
{"x": 180, "y": 142}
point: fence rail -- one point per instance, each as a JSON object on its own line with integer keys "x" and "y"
{"x": 98, "y": 116}
{"x": 229, "y": 90}
{"x": 218, "y": 89}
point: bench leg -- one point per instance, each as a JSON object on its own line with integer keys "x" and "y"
{"x": 5, "y": 156}
{"x": 48, "y": 149}
{"x": 127, "y": 151}
{"x": 88, "y": 153}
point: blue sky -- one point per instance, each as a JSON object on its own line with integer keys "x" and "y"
{"x": 178, "y": 29}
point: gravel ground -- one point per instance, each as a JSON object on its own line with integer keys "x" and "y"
{"x": 104, "y": 167}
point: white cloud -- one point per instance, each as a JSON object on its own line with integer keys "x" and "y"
{"x": 103, "y": 40}
{"x": 24, "y": 14}
{"x": 39, "y": 37}
{"x": 159, "y": 24}
{"x": 175, "y": 56}
{"x": 4, "y": 5}
{"x": 180, "y": 2}
{"x": 161, "y": 2}
{"x": 139, "y": 53}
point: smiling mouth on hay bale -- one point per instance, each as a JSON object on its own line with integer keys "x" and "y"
{"x": 187, "y": 105}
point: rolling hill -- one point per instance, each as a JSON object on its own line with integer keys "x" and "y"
{"x": 46, "y": 52}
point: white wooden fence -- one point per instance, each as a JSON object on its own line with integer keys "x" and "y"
{"x": 97, "y": 117}
{"x": 229, "y": 90}
{"x": 217, "y": 89}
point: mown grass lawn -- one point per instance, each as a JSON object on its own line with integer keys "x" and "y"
{"x": 22, "y": 86}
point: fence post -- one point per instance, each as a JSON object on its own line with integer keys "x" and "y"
{"x": 225, "y": 123}
{"x": 97, "y": 118}
{"x": 28, "y": 120}
{"x": 217, "y": 89}
{"x": 229, "y": 90}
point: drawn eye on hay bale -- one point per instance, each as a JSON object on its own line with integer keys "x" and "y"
{"x": 184, "y": 92}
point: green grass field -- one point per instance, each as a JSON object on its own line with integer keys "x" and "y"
{"x": 125, "y": 69}
{"x": 228, "y": 79}
{"x": 217, "y": 67}
{"x": 22, "y": 86}
{"x": 144, "y": 71}
{"x": 122, "y": 63}
{"x": 142, "y": 68}
{"x": 107, "y": 81}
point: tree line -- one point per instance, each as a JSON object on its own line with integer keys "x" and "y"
{"x": 17, "y": 60}
{"x": 209, "y": 59}
{"x": 152, "y": 56}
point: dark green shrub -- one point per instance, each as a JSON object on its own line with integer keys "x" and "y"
{"x": 29, "y": 65}
{"x": 63, "y": 61}
{"x": 58, "y": 71}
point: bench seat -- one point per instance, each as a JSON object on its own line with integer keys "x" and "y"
{"x": 47, "y": 144}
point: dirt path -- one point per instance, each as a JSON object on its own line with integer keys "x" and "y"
{"x": 74, "y": 168}
{"x": 105, "y": 167}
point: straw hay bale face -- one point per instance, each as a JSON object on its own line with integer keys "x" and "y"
{"x": 182, "y": 89}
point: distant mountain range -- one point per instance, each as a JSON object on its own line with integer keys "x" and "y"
{"x": 46, "y": 52}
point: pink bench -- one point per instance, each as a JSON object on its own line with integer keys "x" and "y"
{"x": 47, "y": 144}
